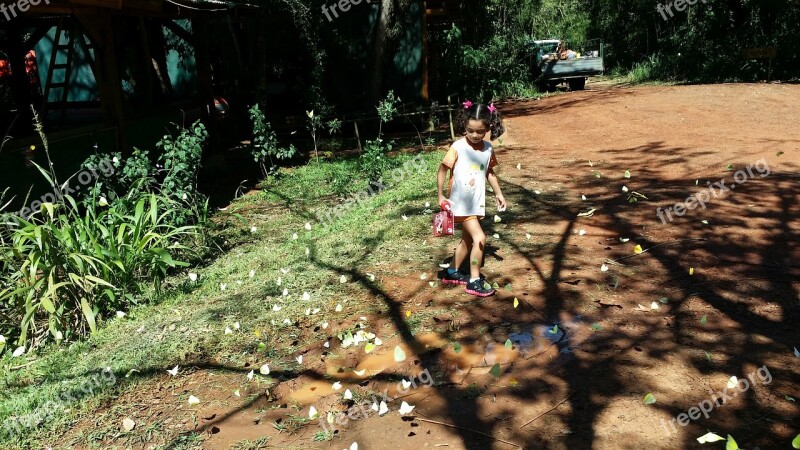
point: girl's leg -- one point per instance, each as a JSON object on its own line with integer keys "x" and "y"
{"x": 462, "y": 251}
{"x": 475, "y": 232}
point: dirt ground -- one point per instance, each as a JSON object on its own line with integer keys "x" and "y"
{"x": 586, "y": 344}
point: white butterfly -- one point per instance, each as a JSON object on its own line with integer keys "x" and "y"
{"x": 327, "y": 344}
{"x": 3, "y": 340}
{"x": 625, "y": 189}
{"x": 360, "y": 372}
{"x": 237, "y": 393}
{"x": 353, "y": 446}
{"x": 285, "y": 292}
{"x": 581, "y": 232}
{"x": 250, "y": 375}
{"x": 308, "y": 226}
{"x": 120, "y": 314}
{"x": 253, "y": 229}
{"x": 237, "y": 326}
{"x": 732, "y": 383}
{"x": 192, "y": 277}
{"x": 406, "y": 384}
{"x": 654, "y": 305}
{"x": 399, "y": 354}
{"x": 299, "y": 359}
{"x": 583, "y": 197}
{"x": 306, "y": 296}
{"x": 339, "y": 307}
{"x": 383, "y": 409}
{"x": 348, "y": 395}
{"x": 280, "y": 281}
{"x": 604, "y": 268}
{"x": 405, "y": 217}
{"x": 228, "y": 330}
{"x": 264, "y": 369}
{"x": 173, "y": 371}
{"x": 424, "y": 276}
{"x": 252, "y": 273}
{"x": 223, "y": 286}
{"x": 324, "y": 324}
{"x": 276, "y": 308}
{"x": 378, "y": 341}
{"x": 405, "y": 408}
{"x": 336, "y": 386}
{"x": 294, "y": 236}
{"x": 710, "y": 437}
{"x": 312, "y": 413}
{"x": 193, "y": 400}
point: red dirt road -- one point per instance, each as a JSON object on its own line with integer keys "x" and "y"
{"x": 713, "y": 294}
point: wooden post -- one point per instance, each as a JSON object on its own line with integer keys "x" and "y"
{"x": 358, "y": 137}
{"x": 450, "y": 111}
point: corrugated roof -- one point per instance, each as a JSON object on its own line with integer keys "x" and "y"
{"x": 212, "y": 4}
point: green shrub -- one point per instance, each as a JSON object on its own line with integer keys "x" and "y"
{"x": 265, "y": 144}
{"x": 68, "y": 264}
{"x": 181, "y": 156}
{"x": 375, "y": 160}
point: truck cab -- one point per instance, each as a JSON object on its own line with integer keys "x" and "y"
{"x": 553, "y": 62}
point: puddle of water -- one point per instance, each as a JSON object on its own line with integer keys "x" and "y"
{"x": 311, "y": 392}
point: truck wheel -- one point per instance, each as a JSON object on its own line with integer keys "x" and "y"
{"x": 577, "y": 84}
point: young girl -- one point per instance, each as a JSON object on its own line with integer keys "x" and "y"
{"x": 470, "y": 162}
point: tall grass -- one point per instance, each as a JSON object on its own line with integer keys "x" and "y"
{"x": 72, "y": 263}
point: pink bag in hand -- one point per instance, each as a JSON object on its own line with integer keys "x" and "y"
{"x": 443, "y": 221}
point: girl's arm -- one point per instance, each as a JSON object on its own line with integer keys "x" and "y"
{"x": 440, "y": 178}
{"x": 492, "y": 179}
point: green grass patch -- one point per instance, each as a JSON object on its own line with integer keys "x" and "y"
{"x": 186, "y": 323}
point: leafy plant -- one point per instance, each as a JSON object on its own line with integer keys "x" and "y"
{"x": 180, "y": 158}
{"x": 375, "y": 162}
{"x": 315, "y": 123}
{"x": 66, "y": 265}
{"x": 265, "y": 144}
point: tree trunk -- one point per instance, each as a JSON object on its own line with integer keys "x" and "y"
{"x": 379, "y": 42}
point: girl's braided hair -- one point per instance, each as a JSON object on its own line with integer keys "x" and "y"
{"x": 489, "y": 115}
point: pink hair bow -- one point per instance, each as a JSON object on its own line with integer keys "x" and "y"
{"x": 467, "y": 104}
{"x": 492, "y": 109}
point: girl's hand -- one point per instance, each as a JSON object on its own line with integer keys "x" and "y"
{"x": 443, "y": 200}
{"x": 501, "y": 202}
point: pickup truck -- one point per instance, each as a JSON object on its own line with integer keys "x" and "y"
{"x": 549, "y": 69}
